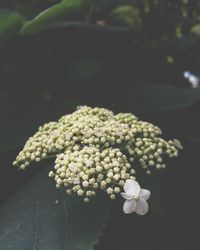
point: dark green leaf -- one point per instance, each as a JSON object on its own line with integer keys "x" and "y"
{"x": 196, "y": 30}
{"x": 25, "y": 10}
{"x": 10, "y": 24}
{"x": 161, "y": 98}
{"x": 126, "y": 15}
{"x": 20, "y": 117}
{"x": 83, "y": 69}
{"x": 58, "y": 12}
{"x": 41, "y": 217}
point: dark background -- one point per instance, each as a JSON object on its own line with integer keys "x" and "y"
{"x": 127, "y": 59}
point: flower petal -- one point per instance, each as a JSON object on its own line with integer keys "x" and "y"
{"x": 126, "y": 196}
{"x": 129, "y": 206}
{"x": 132, "y": 188}
{"x": 141, "y": 207}
{"x": 145, "y": 194}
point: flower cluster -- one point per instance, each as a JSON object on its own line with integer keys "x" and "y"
{"x": 84, "y": 170}
{"x": 96, "y": 149}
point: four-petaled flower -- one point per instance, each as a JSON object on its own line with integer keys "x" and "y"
{"x": 135, "y": 198}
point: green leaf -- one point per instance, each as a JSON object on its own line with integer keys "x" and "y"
{"x": 83, "y": 68}
{"x": 25, "y": 10}
{"x": 126, "y": 15}
{"x": 19, "y": 119}
{"x": 58, "y": 12}
{"x": 10, "y": 24}
{"x": 21, "y": 116}
{"x": 196, "y": 30}
{"x": 148, "y": 98}
{"x": 41, "y": 217}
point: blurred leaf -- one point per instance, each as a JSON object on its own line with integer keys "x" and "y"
{"x": 127, "y": 16}
{"x": 20, "y": 118}
{"x": 196, "y": 30}
{"x": 83, "y": 69}
{"x": 167, "y": 97}
{"x": 160, "y": 98}
{"x": 41, "y": 217}
{"x": 56, "y": 13}
{"x": 25, "y": 10}
{"x": 18, "y": 121}
{"x": 4, "y": 98}
{"x": 193, "y": 132}
{"x": 10, "y": 24}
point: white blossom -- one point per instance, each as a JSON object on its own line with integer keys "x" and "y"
{"x": 194, "y": 80}
{"x": 136, "y": 198}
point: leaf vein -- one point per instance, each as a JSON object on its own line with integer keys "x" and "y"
{"x": 36, "y": 226}
{"x": 65, "y": 222}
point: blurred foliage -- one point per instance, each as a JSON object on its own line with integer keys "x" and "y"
{"x": 127, "y": 55}
{"x": 10, "y": 26}
{"x": 127, "y": 16}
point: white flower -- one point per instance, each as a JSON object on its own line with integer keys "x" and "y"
{"x": 135, "y": 198}
{"x": 194, "y": 80}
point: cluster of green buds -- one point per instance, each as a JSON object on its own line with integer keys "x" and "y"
{"x": 96, "y": 149}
